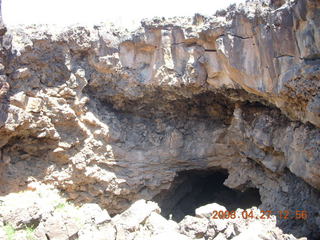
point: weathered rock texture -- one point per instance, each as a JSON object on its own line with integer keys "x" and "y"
{"x": 111, "y": 116}
{"x": 43, "y": 214}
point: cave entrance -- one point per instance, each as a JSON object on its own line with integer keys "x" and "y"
{"x": 195, "y": 188}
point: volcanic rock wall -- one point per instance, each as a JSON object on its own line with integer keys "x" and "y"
{"x": 111, "y": 116}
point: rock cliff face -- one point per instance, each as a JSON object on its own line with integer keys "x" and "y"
{"x": 112, "y": 116}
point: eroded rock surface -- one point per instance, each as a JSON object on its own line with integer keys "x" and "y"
{"x": 60, "y": 220}
{"x": 111, "y": 116}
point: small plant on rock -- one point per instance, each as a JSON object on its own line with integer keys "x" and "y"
{"x": 30, "y": 233}
{"x": 60, "y": 205}
{"x": 10, "y": 231}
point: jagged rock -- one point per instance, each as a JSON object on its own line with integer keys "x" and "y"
{"x": 101, "y": 233}
{"x": 22, "y": 217}
{"x": 112, "y": 116}
{"x": 157, "y": 224}
{"x": 206, "y": 211}
{"x": 258, "y": 231}
{"x": 63, "y": 220}
{"x": 94, "y": 213}
{"x": 194, "y": 228}
{"x": 169, "y": 235}
{"x": 220, "y": 236}
{"x": 58, "y": 227}
{"x": 136, "y": 214}
{"x": 232, "y": 228}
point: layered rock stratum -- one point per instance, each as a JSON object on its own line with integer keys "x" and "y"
{"x": 111, "y": 116}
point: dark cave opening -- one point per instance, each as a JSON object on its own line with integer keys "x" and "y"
{"x": 195, "y": 188}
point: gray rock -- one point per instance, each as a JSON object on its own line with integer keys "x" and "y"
{"x": 156, "y": 223}
{"x": 21, "y": 217}
{"x": 169, "y": 235}
{"x": 112, "y": 116}
{"x": 101, "y": 233}
{"x": 136, "y": 214}
{"x": 220, "y": 236}
{"x": 58, "y": 227}
{"x": 95, "y": 214}
{"x": 207, "y": 210}
{"x": 194, "y": 228}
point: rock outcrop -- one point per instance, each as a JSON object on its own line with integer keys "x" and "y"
{"x": 41, "y": 217}
{"x": 112, "y": 116}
